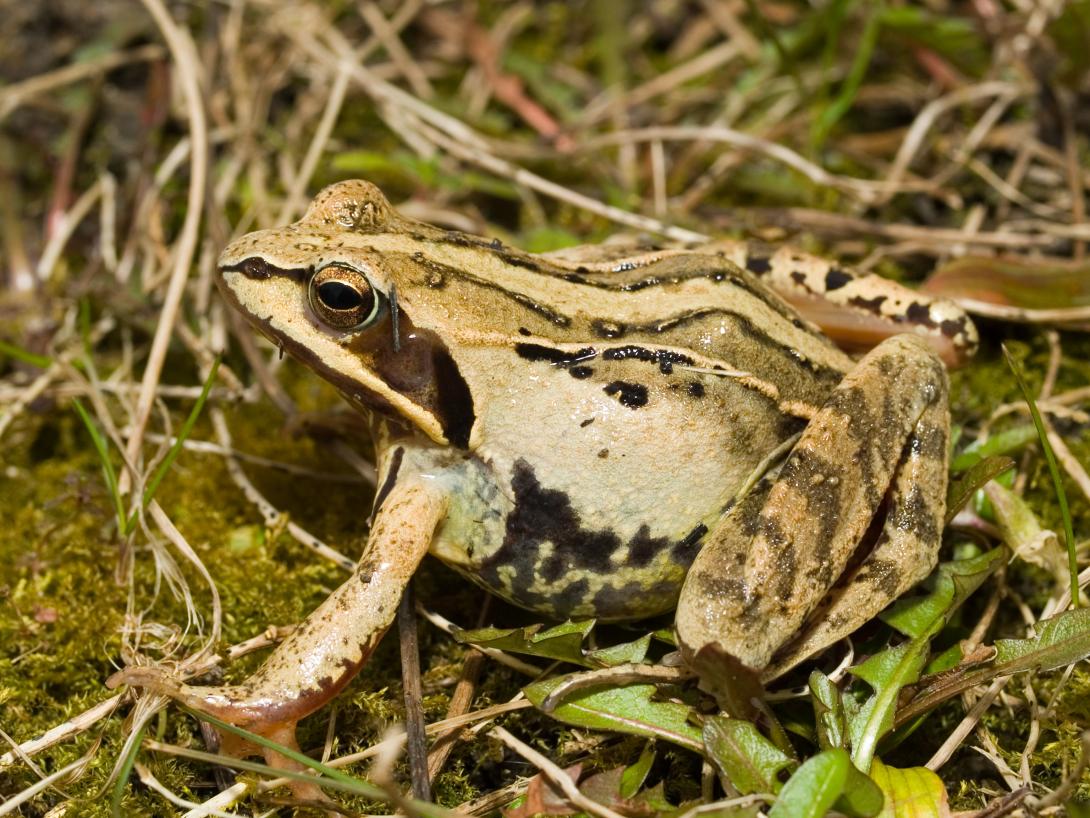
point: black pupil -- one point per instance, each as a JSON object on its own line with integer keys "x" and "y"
{"x": 339, "y": 296}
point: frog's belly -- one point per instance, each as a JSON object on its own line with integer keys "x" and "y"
{"x": 603, "y": 521}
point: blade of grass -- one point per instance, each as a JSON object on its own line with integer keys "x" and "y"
{"x": 179, "y": 442}
{"x": 108, "y": 472}
{"x": 122, "y": 782}
{"x": 361, "y": 788}
{"x": 20, "y": 354}
{"x": 1054, "y": 470}
{"x": 864, "y": 50}
{"x": 330, "y": 774}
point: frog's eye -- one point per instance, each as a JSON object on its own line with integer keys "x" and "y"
{"x": 343, "y": 298}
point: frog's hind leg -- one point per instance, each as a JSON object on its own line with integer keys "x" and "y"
{"x": 905, "y": 552}
{"x": 774, "y": 562}
{"x": 323, "y": 654}
{"x": 856, "y": 309}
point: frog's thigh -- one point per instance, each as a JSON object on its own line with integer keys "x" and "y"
{"x": 323, "y": 654}
{"x": 762, "y": 574}
{"x": 816, "y": 286}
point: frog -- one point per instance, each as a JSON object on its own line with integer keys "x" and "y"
{"x": 614, "y": 431}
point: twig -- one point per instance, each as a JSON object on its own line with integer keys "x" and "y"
{"x": 966, "y": 726}
{"x": 185, "y": 60}
{"x": 414, "y": 695}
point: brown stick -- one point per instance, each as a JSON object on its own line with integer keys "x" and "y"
{"x": 414, "y": 695}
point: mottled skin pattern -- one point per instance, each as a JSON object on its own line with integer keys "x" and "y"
{"x": 572, "y": 431}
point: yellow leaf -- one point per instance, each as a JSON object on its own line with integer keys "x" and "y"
{"x": 915, "y": 792}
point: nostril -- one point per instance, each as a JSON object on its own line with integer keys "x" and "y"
{"x": 255, "y": 268}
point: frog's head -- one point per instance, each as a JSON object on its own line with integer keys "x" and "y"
{"x": 323, "y": 290}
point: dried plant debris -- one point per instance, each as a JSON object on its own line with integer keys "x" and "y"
{"x": 173, "y": 492}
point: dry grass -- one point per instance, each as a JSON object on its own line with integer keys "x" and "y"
{"x": 136, "y": 140}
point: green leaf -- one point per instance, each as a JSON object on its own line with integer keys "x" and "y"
{"x": 1060, "y": 641}
{"x": 627, "y": 653}
{"x": 828, "y": 711}
{"x": 630, "y": 709}
{"x": 961, "y": 491}
{"x": 814, "y": 787}
{"x": 563, "y": 642}
{"x": 915, "y": 792}
{"x": 1002, "y": 443}
{"x": 861, "y": 798}
{"x": 633, "y": 777}
{"x": 919, "y": 618}
{"x": 952, "y": 583}
{"x": 887, "y": 672}
{"x": 742, "y": 756}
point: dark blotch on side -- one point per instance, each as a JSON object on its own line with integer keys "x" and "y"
{"x": 696, "y": 389}
{"x": 869, "y": 304}
{"x": 632, "y": 395}
{"x": 543, "y": 515}
{"x": 758, "y": 265}
{"x": 581, "y": 372}
{"x": 684, "y": 551}
{"x": 537, "y": 352}
{"x": 836, "y": 278}
{"x": 663, "y": 357}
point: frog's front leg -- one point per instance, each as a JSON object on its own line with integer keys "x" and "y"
{"x": 323, "y": 654}
{"x": 786, "y": 564}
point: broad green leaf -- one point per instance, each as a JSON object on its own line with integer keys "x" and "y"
{"x": 629, "y": 709}
{"x": 828, "y": 711}
{"x": 915, "y": 792}
{"x": 633, "y": 777}
{"x": 1060, "y": 641}
{"x": 814, "y": 787}
{"x": 742, "y": 756}
{"x": 961, "y": 491}
{"x": 861, "y": 798}
{"x": 949, "y": 658}
{"x": 563, "y": 642}
{"x": 920, "y": 618}
{"x": 887, "y": 672}
{"x": 924, "y": 616}
{"x": 627, "y": 653}
{"x": 1001, "y": 443}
